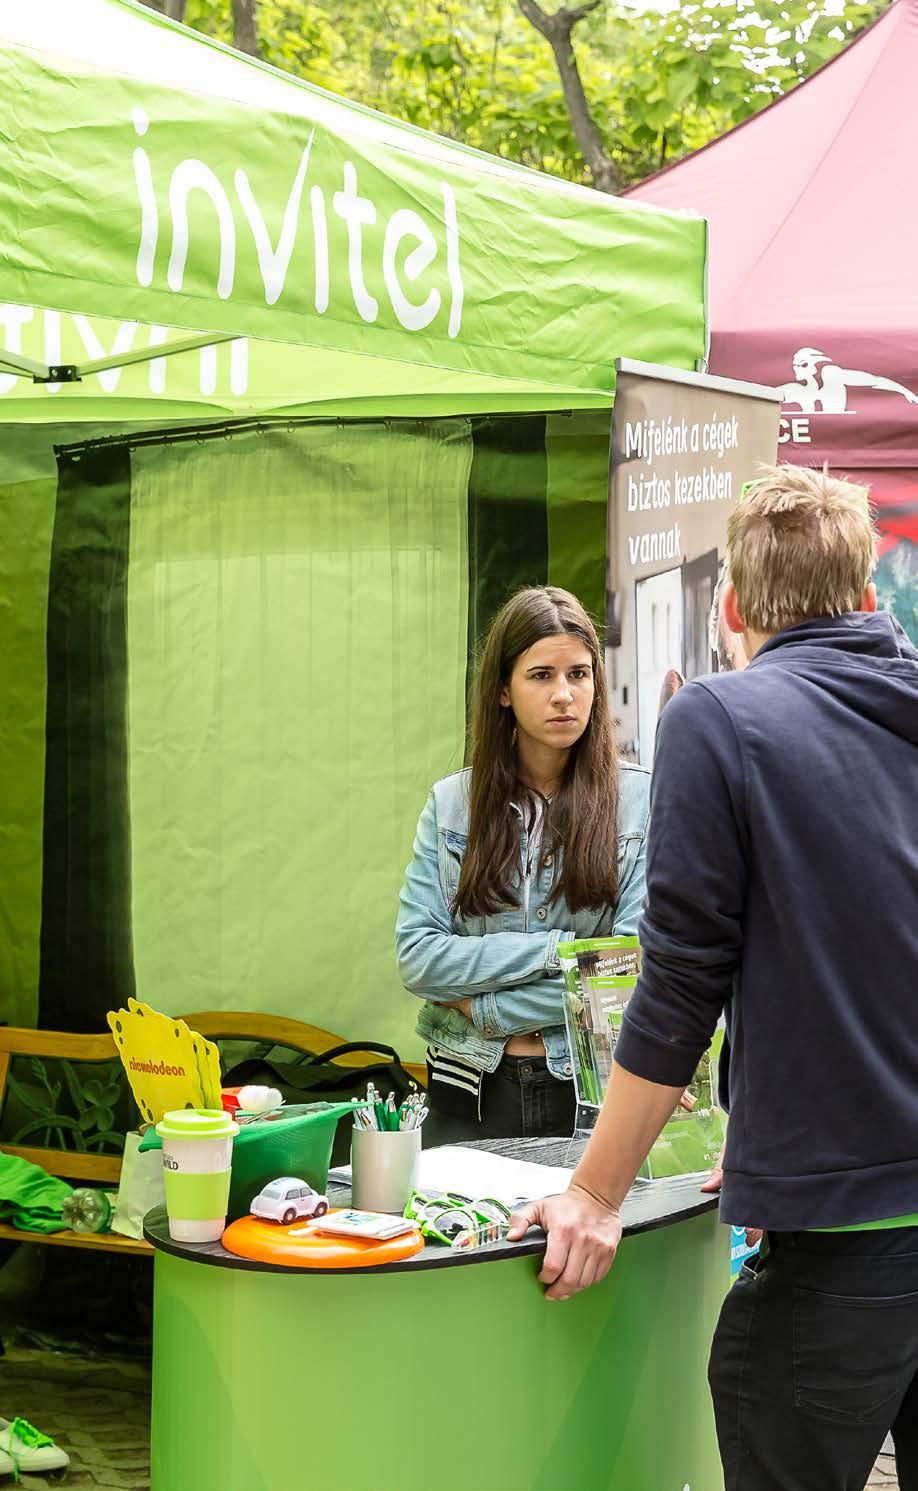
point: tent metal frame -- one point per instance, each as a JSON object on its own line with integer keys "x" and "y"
{"x": 69, "y": 372}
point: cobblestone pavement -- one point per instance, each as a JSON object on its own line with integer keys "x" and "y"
{"x": 884, "y": 1475}
{"x": 98, "y": 1409}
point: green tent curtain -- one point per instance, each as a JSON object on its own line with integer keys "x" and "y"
{"x": 260, "y": 672}
{"x": 297, "y": 616}
{"x": 86, "y": 960}
{"x": 28, "y": 485}
{"x": 508, "y": 519}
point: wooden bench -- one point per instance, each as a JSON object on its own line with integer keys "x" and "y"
{"x": 105, "y": 1169}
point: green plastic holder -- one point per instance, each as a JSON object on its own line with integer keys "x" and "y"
{"x": 298, "y": 1143}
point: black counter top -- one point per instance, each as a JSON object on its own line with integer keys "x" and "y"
{"x": 648, "y": 1205}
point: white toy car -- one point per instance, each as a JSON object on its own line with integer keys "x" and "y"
{"x": 286, "y": 1199}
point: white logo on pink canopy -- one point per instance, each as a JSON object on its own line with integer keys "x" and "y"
{"x": 823, "y": 386}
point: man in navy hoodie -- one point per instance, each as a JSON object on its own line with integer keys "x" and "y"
{"x": 782, "y": 891}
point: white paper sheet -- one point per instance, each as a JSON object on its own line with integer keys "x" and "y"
{"x": 477, "y": 1172}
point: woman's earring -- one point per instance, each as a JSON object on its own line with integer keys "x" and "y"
{"x": 513, "y": 736}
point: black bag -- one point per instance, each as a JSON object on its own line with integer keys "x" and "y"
{"x": 320, "y": 1079}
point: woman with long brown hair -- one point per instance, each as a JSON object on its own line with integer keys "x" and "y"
{"x": 541, "y": 839}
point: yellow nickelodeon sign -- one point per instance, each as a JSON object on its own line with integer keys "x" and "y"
{"x": 168, "y": 1065}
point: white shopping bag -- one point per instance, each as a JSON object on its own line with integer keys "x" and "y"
{"x": 142, "y": 1187}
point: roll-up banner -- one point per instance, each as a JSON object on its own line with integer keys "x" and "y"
{"x": 683, "y": 445}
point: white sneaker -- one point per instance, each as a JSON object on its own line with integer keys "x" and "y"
{"x": 24, "y": 1448}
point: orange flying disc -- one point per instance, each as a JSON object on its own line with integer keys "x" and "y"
{"x": 272, "y": 1242}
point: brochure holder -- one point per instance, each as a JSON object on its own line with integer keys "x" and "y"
{"x": 599, "y": 976}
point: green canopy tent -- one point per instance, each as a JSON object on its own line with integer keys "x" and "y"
{"x": 292, "y": 395}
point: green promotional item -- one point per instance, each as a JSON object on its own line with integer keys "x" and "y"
{"x": 692, "y": 1139}
{"x": 197, "y": 1197}
{"x": 197, "y": 1150}
{"x": 600, "y": 974}
{"x": 29, "y": 1197}
{"x": 458, "y": 1221}
{"x": 298, "y": 1141}
{"x": 196, "y": 1123}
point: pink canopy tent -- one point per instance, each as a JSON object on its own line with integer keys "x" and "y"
{"x": 814, "y": 262}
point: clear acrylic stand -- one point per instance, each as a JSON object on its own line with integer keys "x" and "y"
{"x": 597, "y": 989}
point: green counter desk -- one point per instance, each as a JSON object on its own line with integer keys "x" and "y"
{"x": 443, "y": 1373}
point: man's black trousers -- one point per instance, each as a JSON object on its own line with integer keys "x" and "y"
{"x": 815, "y": 1360}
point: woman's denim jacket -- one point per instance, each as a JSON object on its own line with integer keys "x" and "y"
{"x": 507, "y": 962}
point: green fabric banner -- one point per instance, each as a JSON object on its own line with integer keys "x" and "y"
{"x": 297, "y": 606}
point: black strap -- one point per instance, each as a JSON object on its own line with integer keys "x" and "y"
{"x": 347, "y": 1049}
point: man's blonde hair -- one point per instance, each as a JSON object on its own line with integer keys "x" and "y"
{"x": 800, "y": 544}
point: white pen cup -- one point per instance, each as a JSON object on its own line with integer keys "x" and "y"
{"x": 384, "y": 1168}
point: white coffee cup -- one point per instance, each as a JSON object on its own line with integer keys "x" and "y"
{"x": 197, "y": 1156}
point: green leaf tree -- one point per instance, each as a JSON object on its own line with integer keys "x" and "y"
{"x": 598, "y": 92}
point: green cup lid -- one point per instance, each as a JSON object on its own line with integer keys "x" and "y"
{"x": 196, "y": 1123}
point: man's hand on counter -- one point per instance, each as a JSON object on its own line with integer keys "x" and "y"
{"x": 583, "y": 1236}
{"x": 715, "y": 1180}
{"x": 583, "y": 1225}
{"x": 714, "y": 1184}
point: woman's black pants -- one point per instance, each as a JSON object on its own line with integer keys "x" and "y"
{"x": 520, "y": 1100}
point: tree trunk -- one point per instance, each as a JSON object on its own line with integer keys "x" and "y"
{"x": 245, "y": 30}
{"x": 557, "y": 31}
{"x": 174, "y": 9}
